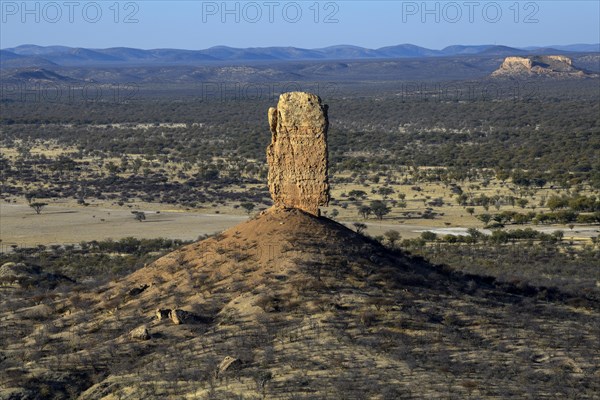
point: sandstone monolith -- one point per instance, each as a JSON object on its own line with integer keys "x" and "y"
{"x": 297, "y": 155}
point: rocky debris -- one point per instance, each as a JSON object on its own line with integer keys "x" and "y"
{"x": 568, "y": 364}
{"x": 179, "y": 317}
{"x": 550, "y": 66}
{"x": 162, "y": 313}
{"x": 539, "y": 358}
{"x": 297, "y": 155}
{"x": 140, "y": 333}
{"x": 138, "y": 290}
{"x": 229, "y": 364}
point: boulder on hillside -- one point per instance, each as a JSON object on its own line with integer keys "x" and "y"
{"x": 140, "y": 333}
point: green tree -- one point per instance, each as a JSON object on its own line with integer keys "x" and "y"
{"x": 555, "y": 202}
{"x": 248, "y": 206}
{"x": 136, "y": 164}
{"x": 63, "y": 163}
{"x": 485, "y": 218}
{"x": 392, "y": 236}
{"x": 38, "y": 206}
{"x": 385, "y": 191}
{"x": 380, "y": 209}
{"x": 359, "y": 194}
{"x": 360, "y": 227}
{"x": 210, "y": 175}
{"x": 462, "y": 199}
{"x": 428, "y": 236}
{"x": 112, "y": 168}
{"x": 474, "y": 234}
{"x": 522, "y": 202}
{"x": 558, "y": 235}
{"x": 139, "y": 215}
{"x": 364, "y": 211}
{"x": 502, "y": 175}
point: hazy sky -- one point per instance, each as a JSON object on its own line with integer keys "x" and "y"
{"x": 308, "y": 24}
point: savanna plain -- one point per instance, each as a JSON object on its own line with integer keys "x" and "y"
{"x": 458, "y": 257}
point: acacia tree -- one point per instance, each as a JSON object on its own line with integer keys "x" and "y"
{"x": 139, "y": 215}
{"x": 360, "y": 227}
{"x": 38, "y": 206}
{"x": 360, "y": 194}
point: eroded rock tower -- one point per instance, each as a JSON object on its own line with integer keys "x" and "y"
{"x": 297, "y": 155}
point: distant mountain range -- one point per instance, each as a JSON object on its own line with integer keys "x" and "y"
{"x": 49, "y": 56}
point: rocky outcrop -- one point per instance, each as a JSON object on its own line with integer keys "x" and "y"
{"x": 229, "y": 364}
{"x": 140, "y": 333}
{"x": 297, "y": 155}
{"x": 561, "y": 59}
{"x": 549, "y": 66}
{"x": 516, "y": 64}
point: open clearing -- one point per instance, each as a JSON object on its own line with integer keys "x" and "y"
{"x": 62, "y": 223}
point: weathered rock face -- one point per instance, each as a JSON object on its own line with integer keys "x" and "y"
{"x": 516, "y": 63}
{"x": 561, "y": 59}
{"x": 297, "y": 155}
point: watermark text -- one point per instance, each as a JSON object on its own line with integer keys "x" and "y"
{"x": 470, "y": 11}
{"x": 53, "y": 12}
{"x": 253, "y": 12}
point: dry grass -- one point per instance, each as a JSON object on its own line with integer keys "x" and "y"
{"x": 312, "y": 311}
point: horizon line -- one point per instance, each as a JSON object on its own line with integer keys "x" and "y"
{"x": 303, "y": 48}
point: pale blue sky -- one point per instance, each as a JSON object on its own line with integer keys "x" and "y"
{"x": 373, "y": 24}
